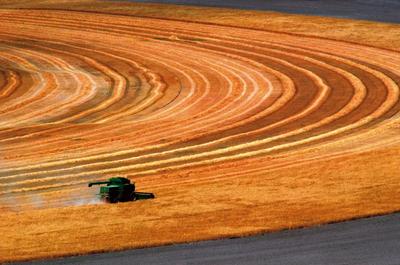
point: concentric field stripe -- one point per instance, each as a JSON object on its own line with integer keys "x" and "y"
{"x": 159, "y": 99}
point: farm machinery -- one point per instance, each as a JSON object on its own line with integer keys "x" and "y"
{"x": 119, "y": 189}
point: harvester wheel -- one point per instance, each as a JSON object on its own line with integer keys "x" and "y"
{"x": 112, "y": 200}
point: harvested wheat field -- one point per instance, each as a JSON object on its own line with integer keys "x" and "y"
{"x": 242, "y": 124}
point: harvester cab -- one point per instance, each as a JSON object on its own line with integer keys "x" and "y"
{"x": 119, "y": 189}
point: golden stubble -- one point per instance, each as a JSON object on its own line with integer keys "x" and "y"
{"x": 352, "y": 177}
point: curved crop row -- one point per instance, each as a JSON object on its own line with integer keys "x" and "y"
{"x": 160, "y": 99}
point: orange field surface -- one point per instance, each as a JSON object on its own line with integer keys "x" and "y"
{"x": 240, "y": 122}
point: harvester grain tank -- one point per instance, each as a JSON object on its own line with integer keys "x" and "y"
{"x": 119, "y": 189}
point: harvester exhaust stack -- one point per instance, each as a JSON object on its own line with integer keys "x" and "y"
{"x": 120, "y": 189}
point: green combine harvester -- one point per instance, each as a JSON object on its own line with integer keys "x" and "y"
{"x": 120, "y": 189}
